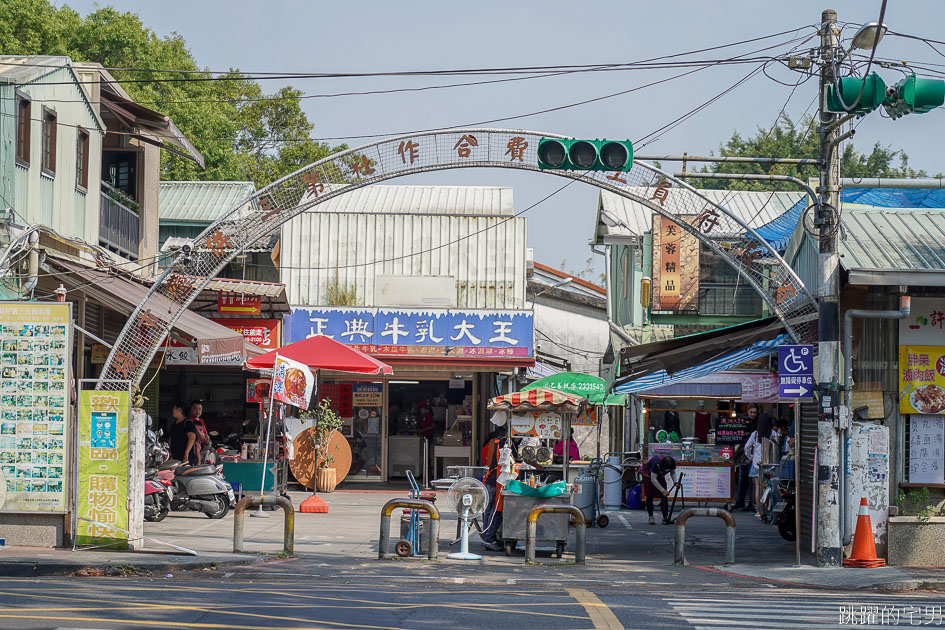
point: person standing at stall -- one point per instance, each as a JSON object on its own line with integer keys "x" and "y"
{"x": 203, "y": 437}
{"x": 182, "y": 436}
{"x": 654, "y": 473}
{"x": 492, "y": 517}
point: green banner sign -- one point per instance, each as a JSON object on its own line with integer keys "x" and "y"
{"x": 103, "y": 469}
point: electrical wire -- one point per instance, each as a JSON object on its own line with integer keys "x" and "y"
{"x": 232, "y": 75}
{"x": 836, "y": 86}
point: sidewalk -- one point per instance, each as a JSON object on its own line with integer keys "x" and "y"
{"x": 344, "y": 541}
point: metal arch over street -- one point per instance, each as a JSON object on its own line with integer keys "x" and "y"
{"x": 261, "y": 214}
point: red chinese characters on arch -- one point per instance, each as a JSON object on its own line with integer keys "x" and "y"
{"x": 675, "y": 265}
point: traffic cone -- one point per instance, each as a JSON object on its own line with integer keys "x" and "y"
{"x": 864, "y": 551}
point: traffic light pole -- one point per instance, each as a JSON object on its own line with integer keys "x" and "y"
{"x": 827, "y": 475}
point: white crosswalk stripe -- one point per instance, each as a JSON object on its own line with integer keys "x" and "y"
{"x": 799, "y": 609}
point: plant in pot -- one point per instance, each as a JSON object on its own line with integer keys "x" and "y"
{"x": 324, "y": 423}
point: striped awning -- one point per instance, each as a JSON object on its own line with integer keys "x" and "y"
{"x": 541, "y": 398}
{"x": 725, "y": 362}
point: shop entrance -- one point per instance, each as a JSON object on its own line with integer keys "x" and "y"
{"x": 427, "y": 419}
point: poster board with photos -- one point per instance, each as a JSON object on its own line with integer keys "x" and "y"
{"x": 35, "y": 351}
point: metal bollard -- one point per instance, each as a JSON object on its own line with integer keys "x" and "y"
{"x": 680, "y": 543}
{"x": 416, "y": 504}
{"x": 531, "y": 530}
{"x": 288, "y": 535}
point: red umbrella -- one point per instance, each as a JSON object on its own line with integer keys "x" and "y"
{"x": 322, "y": 353}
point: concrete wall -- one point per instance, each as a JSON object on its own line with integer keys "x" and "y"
{"x": 32, "y": 530}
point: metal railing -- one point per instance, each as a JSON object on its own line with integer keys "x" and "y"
{"x": 415, "y": 504}
{"x": 288, "y": 534}
{"x": 680, "y": 542}
{"x": 118, "y": 225}
{"x": 531, "y": 531}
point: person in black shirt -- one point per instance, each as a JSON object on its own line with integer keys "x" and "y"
{"x": 183, "y": 436}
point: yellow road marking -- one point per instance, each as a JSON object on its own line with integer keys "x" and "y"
{"x": 601, "y": 616}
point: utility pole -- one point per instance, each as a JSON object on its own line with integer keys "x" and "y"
{"x": 827, "y": 474}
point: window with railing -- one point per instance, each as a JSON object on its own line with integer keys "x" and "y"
{"x": 119, "y": 224}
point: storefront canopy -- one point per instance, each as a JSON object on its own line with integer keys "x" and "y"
{"x": 674, "y": 355}
{"x": 725, "y": 362}
{"x": 540, "y": 399}
{"x": 214, "y": 343}
{"x": 593, "y": 388}
{"x": 323, "y": 353}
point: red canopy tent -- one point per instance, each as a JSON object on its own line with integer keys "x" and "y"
{"x": 320, "y": 353}
{"x": 323, "y": 353}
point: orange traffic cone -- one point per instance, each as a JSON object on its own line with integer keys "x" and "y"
{"x": 864, "y": 551}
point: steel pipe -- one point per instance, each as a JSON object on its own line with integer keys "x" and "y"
{"x": 725, "y": 158}
{"x": 905, "y": 308}
{"x": 414, "y": 504}
{"x": 680, "y": 542}
{"x": 892, "y": 182}
{"x": 531, "y": 530}
{"x": 755, "y": 176}
{"x": 288, "y": 532}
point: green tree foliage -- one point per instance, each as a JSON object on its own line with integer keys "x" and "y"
{"x": 242, "y": 132}
{"x": 800, "y": 140}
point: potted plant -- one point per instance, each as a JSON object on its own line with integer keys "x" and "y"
{"x": 916, "y": 531}
{"x": 324, "y": 423}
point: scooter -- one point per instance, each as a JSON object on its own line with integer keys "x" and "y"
{"x": 200, "y": 488}
{"x": 157, "y": 498}
{"x": 779, "y": 500}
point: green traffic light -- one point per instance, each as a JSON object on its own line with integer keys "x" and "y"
{"x": 842, "y": 96}
{"x": 913, "y": 95}
{"x": 585, "y": 155}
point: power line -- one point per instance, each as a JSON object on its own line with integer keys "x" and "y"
{"x": 232, "y": 75}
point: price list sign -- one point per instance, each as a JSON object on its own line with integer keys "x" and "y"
{"x": 731, "y": 431}
{"x": 35, "y": 339}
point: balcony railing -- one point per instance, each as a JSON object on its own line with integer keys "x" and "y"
{"x": 118, "y": 225}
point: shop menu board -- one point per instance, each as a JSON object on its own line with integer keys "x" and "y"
{"x": 926, "y": 436}
{"x": 339, "y": 396}
{"x": 731, "y": 430}
{"x": 706, "y": 482}
{"x": 34, "y": 404}
{"x": 542, "y": 424}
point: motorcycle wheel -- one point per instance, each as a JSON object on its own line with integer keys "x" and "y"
{"x": 786, "y": 526}
{"x": 162, "y": 512}
{"x": 223, "y": 506}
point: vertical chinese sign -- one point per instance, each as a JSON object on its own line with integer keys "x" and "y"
{"x": 35, "y": 352}
{"x": 922, "y": 358}
{"x": 675, "y": 266}
{"x": 103, "y": 469}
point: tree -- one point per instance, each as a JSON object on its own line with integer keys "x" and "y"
{"x": 242, "y": 132}
{"x": 800, "y": 140}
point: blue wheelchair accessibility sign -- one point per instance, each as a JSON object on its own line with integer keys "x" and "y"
{"x": 795, "y": 372}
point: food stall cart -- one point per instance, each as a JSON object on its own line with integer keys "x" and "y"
{"x": 544, "y": 415}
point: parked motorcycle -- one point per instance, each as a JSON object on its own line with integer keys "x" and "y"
{"x": 157, "y": 491}
{"x": 779, "y": 498}
{"x": 200, "y": 488}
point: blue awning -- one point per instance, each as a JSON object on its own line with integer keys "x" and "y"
{"x": 778, "y": 231}
{"x": 725, "y": 362}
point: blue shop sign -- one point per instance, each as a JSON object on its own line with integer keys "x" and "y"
{"x": 432, "y": 332}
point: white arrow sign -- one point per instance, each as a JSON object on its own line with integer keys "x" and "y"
{"x": 800, "y": 390}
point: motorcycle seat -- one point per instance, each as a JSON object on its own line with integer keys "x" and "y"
{"x": 169, "y": 464}
{"x": 195, "y": 471}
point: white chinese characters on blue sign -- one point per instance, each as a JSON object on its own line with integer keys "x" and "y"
{"x": 497, "y": 333}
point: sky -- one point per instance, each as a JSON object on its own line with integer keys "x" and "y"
{"x": 373, "y": 36}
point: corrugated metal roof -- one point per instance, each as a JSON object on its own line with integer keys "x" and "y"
{"x": 467, "y": 201}
{"x": 200, "y": 202}
{"x": 23, "y": 69}
{"x": 892, "y": 238}
{"x": 484, "y": 254}
{"x": 622, "y": 217}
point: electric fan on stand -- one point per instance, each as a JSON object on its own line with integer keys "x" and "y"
{"x": 467, "y": 497}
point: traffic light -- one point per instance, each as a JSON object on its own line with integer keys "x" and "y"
{"x": 585, "y": 155}
{"x": 849, "y": 88}
{"x": 914, "y": 96}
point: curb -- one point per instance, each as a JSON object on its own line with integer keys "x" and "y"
{"x": 44, "y": 568}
